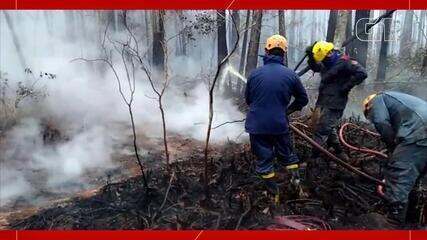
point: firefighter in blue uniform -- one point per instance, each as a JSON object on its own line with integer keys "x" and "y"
{"x": 268, "y": 93}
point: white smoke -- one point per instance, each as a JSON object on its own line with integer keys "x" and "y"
{"x": 84, "y": 103}
{"x": 61, "y": 165}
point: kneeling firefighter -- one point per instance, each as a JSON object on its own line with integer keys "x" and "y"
{"x": 401, "y": 119}
{"x": 268, "y": 93}
{"x": 339, "y": 75}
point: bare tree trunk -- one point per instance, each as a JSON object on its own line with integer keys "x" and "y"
{"x": 371, "y": 43}
{"x": 135, "y": 148}
{"x": 282, "y": 31}
{"x": 360, "y": 45}
{"x": 382, "y": 62}
{"x": 162, "y": 111}
{"x": 222, "y": 35}
{"x": 221, "y": 64}
{"x": 424, "y": 67}
{"x": 111, "y": 19}
{"x": 165, "y": 139}
{"x": 423, "y": 19}
{"x": 129, "y": 95}
{"x": 349, "y": 32}
{"x": 282, "y": 26}
{"x": 181, "y": 40}
{"x": 82, "y": 24}
{"x": 406, "y": 37}
{"x": 48, "y": 21}
{"x": 147, "y": 27}
{"x": 252, "y": 57}
{"x": 15, "y": 39}
{"x": 236, "y": 16}
{"x": 339, "y": 36}
{"x": 244, "y": 49}
{"x": 424, "y": 24}
{"x": 300, "y": 34}
{"x": 313, "y": 29}
{"x": 221, "y": 42}
{"x": 118, "y": 21}
{"x": 314, "y": 26}
{"x": 421, "y": 29}
{"x": 292, "y": 38}
{"x": 332, "y": 24}
{"x": 70, "y": 25}
{"x": 157, "y": 19}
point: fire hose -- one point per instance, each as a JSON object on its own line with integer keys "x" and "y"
{"x": 359, "y": 149}
{"x": 333, "y": 157}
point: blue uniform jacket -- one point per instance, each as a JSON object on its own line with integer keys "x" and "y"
{"x": 268, "y": 92}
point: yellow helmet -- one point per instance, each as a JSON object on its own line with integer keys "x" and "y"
{"x": 277, "y": 41}
{"x": 321, "y": 49}
{"x": 368, "y": 100}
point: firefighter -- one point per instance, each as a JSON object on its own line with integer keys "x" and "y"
{"x": 339, "y": 74}
{"x": 268, "y": 93}
{"x": 401, "y": 119}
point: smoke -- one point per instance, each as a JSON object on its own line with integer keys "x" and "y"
{"x": 13, "y": 186}
{"x": 60, "y": 167}
{"x": 230, "y": 69}
{"x": 84, "y": 104}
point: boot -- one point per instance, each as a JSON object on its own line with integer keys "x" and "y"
{"x": 269, "y": 180}
{"x": 284, "y": 163}
{"x": 397, "y": 213}
{"x": 295, "y": 174}
{"x": 302, "y": 171}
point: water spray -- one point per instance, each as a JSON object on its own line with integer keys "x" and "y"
{"x": 230, "y": 70}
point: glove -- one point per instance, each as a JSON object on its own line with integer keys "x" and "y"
{"x": 380, "y": 189}
{"x": 390, "y": 144}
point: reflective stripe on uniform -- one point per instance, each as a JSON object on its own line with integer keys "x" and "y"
{"x": 269, "y": 175}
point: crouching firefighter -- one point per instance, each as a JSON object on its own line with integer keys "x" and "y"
{"x": 401, "y": 119}
{"x": 268, "y": 93}
{"x": 339, "y": 75}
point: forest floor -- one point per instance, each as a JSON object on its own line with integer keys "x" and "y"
{"x": 329, "y": 198}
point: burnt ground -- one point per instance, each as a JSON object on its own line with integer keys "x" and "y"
{"x": 330, "y": 198}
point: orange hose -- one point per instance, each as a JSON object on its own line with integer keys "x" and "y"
{"x": 359, "y": 149}
{"x": 333, "y": 157}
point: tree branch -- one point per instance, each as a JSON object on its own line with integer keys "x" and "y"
{"x": 211, "y": 102}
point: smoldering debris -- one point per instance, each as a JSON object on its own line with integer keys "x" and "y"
{"x": 32, "y": 163}
{"x": 82, "y": 102}
{"x": 72, "y": 136}
{"x": 334, "y": 198}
